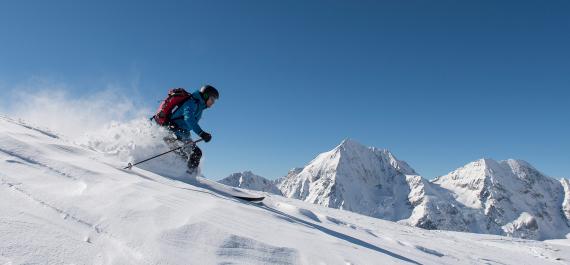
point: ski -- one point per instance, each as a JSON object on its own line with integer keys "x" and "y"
{"x": 249, "y": 199}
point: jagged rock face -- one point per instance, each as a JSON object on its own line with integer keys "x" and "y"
{"x": 508, "y": 197}
{"x": 435, "y": 207}
{"x": 356, "y": 178}
{"x": 525, "y": 226}
{"x": 250, "y": 181}
{"x": 566, "y": 202}
{"x": 293, "y": 172}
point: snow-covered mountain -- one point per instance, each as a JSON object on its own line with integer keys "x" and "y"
{"x": 356, "y": 178}
{"x": 504, "y": 198}
{"x": 507, "y": 197}
{"x": 292, "y": 172}
{"x": 250, "y": 181}
{"x": 435, "y": 208}
{"x": 64, "y": 203}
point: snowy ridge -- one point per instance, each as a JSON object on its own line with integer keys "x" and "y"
{"x": 63, "y": 203}
{"x": 435, "y": 208}
{"x": 510, "y": 197}
{"x": 250, "y": 181}
{"x": 356, "y": 178}
{"x": 505, "y": 198}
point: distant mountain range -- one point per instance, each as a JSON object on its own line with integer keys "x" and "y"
{"x": 507, "y": 197}
{"x": 251, "y": 181}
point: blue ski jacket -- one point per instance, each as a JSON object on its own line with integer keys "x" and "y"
{"x": 186, "y": 117}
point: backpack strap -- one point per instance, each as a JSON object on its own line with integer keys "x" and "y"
{"x": 191, "y": 97}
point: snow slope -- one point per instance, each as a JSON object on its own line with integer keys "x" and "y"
{"x": 63, "y": 203}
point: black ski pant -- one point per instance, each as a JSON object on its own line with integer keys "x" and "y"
{"x": 194, "y": 159}
{"x": 191, "y": 153}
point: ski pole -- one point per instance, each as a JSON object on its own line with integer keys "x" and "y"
{"x": 129, "y": 166}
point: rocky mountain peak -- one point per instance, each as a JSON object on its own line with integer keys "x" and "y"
{"x": 354, "y": 177}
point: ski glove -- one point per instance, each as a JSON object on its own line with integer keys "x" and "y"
{"x": 206, "y": 136}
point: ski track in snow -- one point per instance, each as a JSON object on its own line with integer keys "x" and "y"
{"x": 64, "y": 204}
{"x": 66, "y": 215}
{"x": 32, "y": 162}
{"x": 21, "y": 123}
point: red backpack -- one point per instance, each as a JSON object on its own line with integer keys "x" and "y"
{"x": 176, "y": 97}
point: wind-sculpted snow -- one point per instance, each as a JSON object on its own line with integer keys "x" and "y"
{"x": 183, "y": 244}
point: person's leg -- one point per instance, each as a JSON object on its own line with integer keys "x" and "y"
{"x": 194, "y": 160}
{"x": 189, "y": 151}
{"x": 181, "y": 138}
{"x": 172, "y": 143}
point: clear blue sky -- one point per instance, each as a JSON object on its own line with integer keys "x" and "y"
{"x": 439, "y": 83}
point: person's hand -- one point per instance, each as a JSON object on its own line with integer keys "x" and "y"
{"x": 206, "y": 136}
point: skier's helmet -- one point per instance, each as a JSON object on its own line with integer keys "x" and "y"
{"x": 209, "y": 91}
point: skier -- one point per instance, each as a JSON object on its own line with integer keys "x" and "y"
{"x": 184, "y": 119}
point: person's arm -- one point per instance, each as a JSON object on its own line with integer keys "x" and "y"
{"x": 190, "y": 118}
